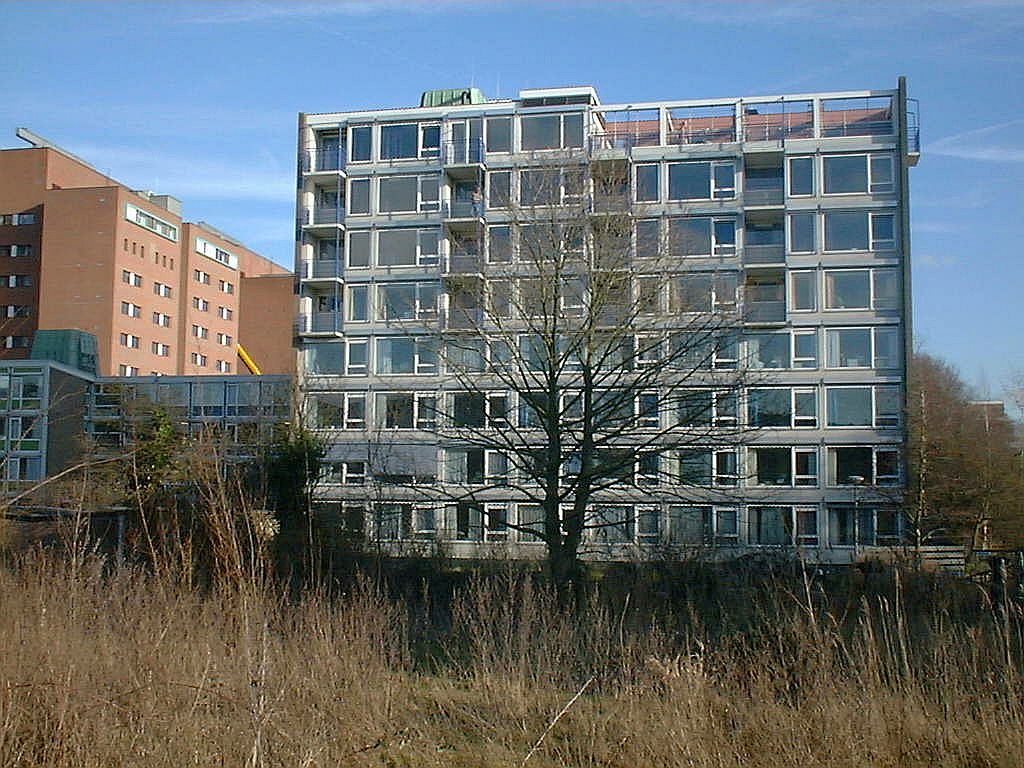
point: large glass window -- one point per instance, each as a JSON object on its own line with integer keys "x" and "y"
{"x": 849, "y": 406}
{"x": 846, "y": 231}
{"x": 848, "y": 347}
{"x": 845, "y": 174}
{"x": 362, "y": 144}
{"x": 768, "y": 350}
{"x": 801, "y": 176}
{"x": 398, "y": 193}
{"x": 770, "y": 407}
{"x": 406, "y": 355}
{"x": 499, "y": 189}
{"x": 770, "y": 526}
{"x": 848, "y": 289}
{"x": 801, "y": 233}
{"x": 701, "y": 181}
{"x": 559, "y": 131}
{"x": 802, "y": 293}
{"x": 359, "y": 196}
{"x": 646, "y": 183}
{"x": 359, "y": 249}
{"x": 499, "y": 134}
{"x": 702, "y": 237}
{"x": 398, "y": 141}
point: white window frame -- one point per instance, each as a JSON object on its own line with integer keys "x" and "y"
{"x": 133, "y": 279}
{"x": 357, "y": 369}
{"x": 872, "y": 481}
{"x": 162, "y": 289}
{"x": 646, "y": 421}
{"x": 873, "y": 187}
{"x": 873, "y": 243}
{"x": 878, "y": 421}
{"x": 789, "y": 176}
{"x": 873, "y": 335}
{"x": 348, "y": 421}
{"x": 517, "y": 142}
{"x": 797, "y": 362}
{"x": 716, "y": 192}
{"x": 636, "y": 187}
{"x": 791, "y": 276}
{"x": 130, "y": 340}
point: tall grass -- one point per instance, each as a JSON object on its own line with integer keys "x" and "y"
{"x": 104, "y": 665}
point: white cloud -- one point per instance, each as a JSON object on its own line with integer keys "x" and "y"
{"x": 1001, "y": 142}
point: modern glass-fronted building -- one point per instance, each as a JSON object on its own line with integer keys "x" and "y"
{"x": 789, "y": 211}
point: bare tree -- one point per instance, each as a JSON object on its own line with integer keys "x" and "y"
{"x": 590, "y": 362}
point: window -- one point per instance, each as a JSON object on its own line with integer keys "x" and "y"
{"x": 612, "y": 523}
{"x": 407, "y": 247}
{"x": 861, "y": 524}
{"x": 127, "y": 370}
{"x": 407, "y": 301}
{"x": 359, "y": 303}
{"x": 130, "y": 309}
{"x": 406, "y": 355}
{"x": 859, "y": 231}
{"x": 224, "y": 339}
{"x": 863, "y": 465}
{"x": 15, "y": 250}
{"x": 802, "y": 238}
{"x": 223, "y": 366}
{"x": 430, "y": 141}
{"x": 645, "y": 183}
{"x": 770, "y": 407}
{"x": 226, "y": 287}
{"x": 398, "y": 142}
{"x": 133, "y": 279}
{"x": 201, "y": 304}
{"x": 857, "y": 174}
{"x": 702, "y": 237}
{"x": 359, "y": 249}
{"x": 200, "y": 332}
{"x": 551, "y": 131}
{"x": 801, "y": 176}
{"x": 152, "y": 223}
{"x": 864, "y": 406}
{"x": 768, "y": 350}
{"x": 499, "y": 134}
{"x": 409, "y": 194}
{"x": 803, "y": 291}
{"x": 805, "y": 348}
{"x": 16, "y": 219}
{"x": 499, "y": 189}
{"x": 701, "y": 181}
{"x": 159, "y": 349}
{"x": 361, "y": 143}
{"x": 225, "y": 313}
{"x": 862, "y": 289}
{"x": 550, "y": 186}
{"x": 407, "y": 410}
{"x": 129, "y": 340}
{"x": 354, "y": 411}
{"x": 162, "y": 289}
{"x": 215, "y": 252}
{"x": 17, "y": 310}
{"x": 17, "y": 342}
{"x": 159, "y": 318}
{"x": 358, "y": 196}
{"x": 648, "y": 238}
{"x": 356, "y": 358}
{"x": 783, "y": 466}
{"x": 469, "y": 409}
{"x": 705, "y": 467}
{"x": 201, "y": 277}
{"x": 863, "y": 347}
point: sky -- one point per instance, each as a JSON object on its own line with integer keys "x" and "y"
{"x": 200, "y": 100}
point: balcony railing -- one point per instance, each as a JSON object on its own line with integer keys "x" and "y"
{"x": 324, "y": 269}
{"x": 764, "y": 311}
{"x": 325, "y": 215}
{"x": 462, "y": 152}
{"x": 778, "y": 127}
{"x": 714, "y": 134}
{"x": 764, "y": 254}
{"x": 459, "y": 318}
{"x": 462, "y": 209}
{"x": 614, "y": 140}
{"x": 463, "y": 264}
{"x": 764, "y": 192}
{"x": 325, "y": 159}
{"x": 320, "y": 322}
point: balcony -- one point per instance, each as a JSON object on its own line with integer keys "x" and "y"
{"x": 326, "y": 160}
{"x": 620, "y": 142}
{"x": 463, "y": 264}
{"x": 462, "y": 318}
{"x": 333, "y": 214}
{"x": 764, "y": 255}
{"x": 777, "y": 121}
{"x": 462, "y": 209}
{"x": 319, "y": 324}
{"x": 764, "y": 187}
{"x": 463, "y": 159}
{"x": 323, "y": 269}
{"x": 764, "y": 312}
{"x": 871, "y": 116}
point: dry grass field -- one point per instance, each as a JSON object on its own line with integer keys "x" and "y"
{"x": 103, "y": 667}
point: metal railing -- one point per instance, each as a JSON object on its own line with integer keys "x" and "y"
{"x": 913, "y": 126}
{"x": 324, "y": 268}
{"x": 462, "y": 209}
{"x": 463, "y": 264}
{"x": 334, "y": 214}
{"x": 835, "y": 124}
{"x": 764, "y": 254}
{"x": 613, "y": 140}
{"x": 469, "y": 152}
{"x": 764, "y": 311}
{"x": 777, "y": 127}
{"x": 764, "y": 191}
{"x": 708, "y": 135}
{"x": 319, "y": 322}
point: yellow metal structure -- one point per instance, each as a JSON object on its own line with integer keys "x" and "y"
{"x": 249, "y": 362}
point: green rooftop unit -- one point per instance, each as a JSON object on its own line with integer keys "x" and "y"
{"x": 450, "y": 97}
{"x": 77, "y": 349}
